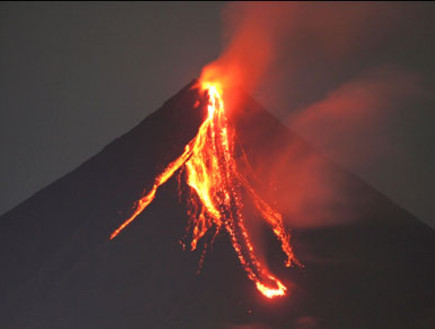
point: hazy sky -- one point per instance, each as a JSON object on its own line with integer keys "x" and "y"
{"x": 74, "y": 76}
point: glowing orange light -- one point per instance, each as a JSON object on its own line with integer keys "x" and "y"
{"x": 269, "y": 292}
{"x": 215, "y": 198}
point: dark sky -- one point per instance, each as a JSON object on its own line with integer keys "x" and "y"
{"x": 75, "y": 76}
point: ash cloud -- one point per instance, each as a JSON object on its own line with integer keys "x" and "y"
{"x": 350, "y": 122}
{"x": 340, "y": 75}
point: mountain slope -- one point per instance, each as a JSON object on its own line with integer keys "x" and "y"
{"x": 374, "y": 269}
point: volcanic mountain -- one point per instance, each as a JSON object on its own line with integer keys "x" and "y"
{"x": 373, "y": 269}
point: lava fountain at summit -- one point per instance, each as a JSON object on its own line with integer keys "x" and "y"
{"x": 215, "y": 194}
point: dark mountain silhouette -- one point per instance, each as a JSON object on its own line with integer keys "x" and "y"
{"x": 60, "y": 270}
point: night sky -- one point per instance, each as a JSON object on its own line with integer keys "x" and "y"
{"x": 75, "y": 76}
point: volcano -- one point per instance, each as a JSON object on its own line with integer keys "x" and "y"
{"x": 60, "y": 269}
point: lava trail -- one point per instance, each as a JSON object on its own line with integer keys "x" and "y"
{"x": 215, "y": 194}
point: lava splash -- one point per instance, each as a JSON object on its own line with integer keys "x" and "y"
{"x": 215, "y": 194}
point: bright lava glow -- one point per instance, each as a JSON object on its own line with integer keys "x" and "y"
{"x": 215, "y": 199}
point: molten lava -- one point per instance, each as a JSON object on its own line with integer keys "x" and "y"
{"x": 215, "y": 199}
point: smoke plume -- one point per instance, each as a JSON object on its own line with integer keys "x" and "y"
{"x": 334, "y": 72}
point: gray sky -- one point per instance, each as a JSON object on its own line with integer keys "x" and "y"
{"x": 75, "y": 76}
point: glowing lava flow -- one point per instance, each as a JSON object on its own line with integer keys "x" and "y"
{"x": 216, "y": 195}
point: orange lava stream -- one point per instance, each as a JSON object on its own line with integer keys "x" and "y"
{"x": 216, "y": 195}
